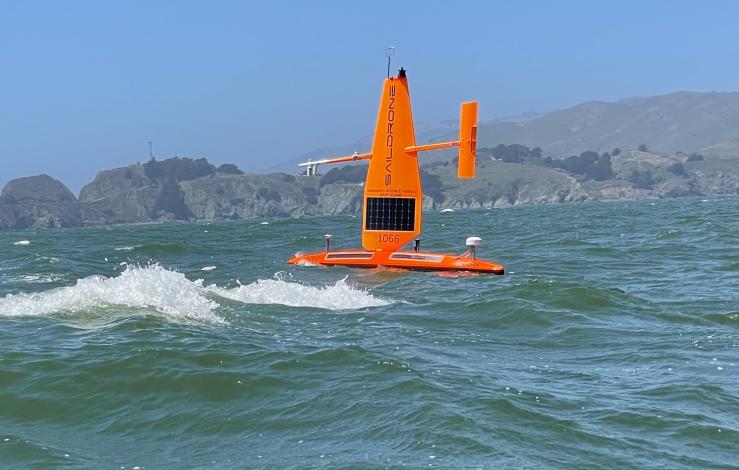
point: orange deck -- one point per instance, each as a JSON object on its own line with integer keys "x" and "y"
{"x": 412, "y": 260}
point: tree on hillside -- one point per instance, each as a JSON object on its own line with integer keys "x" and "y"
{"x": 345, "y": 174}
{"x": 677, "y": 169}
{"x": 642, "y": 179}
{"x": 600, "y": 170}
{"x": 230, "y": 169}
{"x": 643, "y": 148}
{"x": 432, "y": 186}
{"x": 178, "y": 169}
{"x": 514, "y": 153}
{"x": 588, "y": 164}
{"x": 616, "y": 151}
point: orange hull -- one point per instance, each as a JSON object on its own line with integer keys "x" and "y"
{"x": 411, "y": 260}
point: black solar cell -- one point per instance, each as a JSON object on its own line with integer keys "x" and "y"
{"x": 390, "y": 213}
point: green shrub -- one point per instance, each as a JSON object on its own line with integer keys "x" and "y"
{"x": 178, "y": 169}
{"x": 588, "y": 164}
{"x": 345, "y": 174}
{"x": 642, "y": 179}
{"x": 514, "y": 153}
{"x": 431, "y": 185}
{"x": 677, "y": 169}
{"x": 230, "y": 169}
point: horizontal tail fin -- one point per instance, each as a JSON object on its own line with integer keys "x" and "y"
{"x": 311, "y": 166}
{"x": 467, "y": 140}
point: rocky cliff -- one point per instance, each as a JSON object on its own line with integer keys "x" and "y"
{"x": 274, "y": 195}
{"x": 633, "y": 175}
{"x": 185, "y": 189}
{"x": 167, "y": 192}
{"x": 38, "y": 201}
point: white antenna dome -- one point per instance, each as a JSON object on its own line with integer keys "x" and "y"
{"x": 473, "y": 241}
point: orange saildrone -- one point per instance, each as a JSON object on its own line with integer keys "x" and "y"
{"x": 392, "y": 192}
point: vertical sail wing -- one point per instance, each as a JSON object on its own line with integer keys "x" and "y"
{"x": 392, "y": 192}
{"x": 467, "y": 140}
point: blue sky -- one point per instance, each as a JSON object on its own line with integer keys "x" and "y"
{"x": 84, "y": 85}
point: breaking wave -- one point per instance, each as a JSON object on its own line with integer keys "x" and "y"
{"x": 340, "y": 296}
{"x": 176, "y": 297}
{"x": 153, "y": 287}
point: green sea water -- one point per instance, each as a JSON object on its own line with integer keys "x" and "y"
{"x": 611, "y": 342}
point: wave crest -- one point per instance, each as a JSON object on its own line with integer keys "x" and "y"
{"x": 167, "y": 292}
{"x": 340, "y": 296}
{"x": 173, "y": 295}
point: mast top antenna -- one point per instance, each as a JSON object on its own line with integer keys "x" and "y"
{"x": 389, "y": 53}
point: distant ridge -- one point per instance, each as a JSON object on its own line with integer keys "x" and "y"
{"x": 686, "y": 121}
{"x": 681, "y": 121}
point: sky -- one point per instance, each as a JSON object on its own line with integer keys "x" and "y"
{"x": 85, "y": 85}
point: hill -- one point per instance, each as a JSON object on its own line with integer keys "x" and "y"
{"x": 684, "y": 121}
{"x": 680, "y": 121}
{"x": 704, "y": 122}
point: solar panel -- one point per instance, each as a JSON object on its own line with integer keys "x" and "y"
{"x": 349, "y": 255}
{"x": 418, "y": 257}
{"x": 390, "y": 213}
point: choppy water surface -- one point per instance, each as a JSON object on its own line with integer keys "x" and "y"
{"x": 611, "y": 342}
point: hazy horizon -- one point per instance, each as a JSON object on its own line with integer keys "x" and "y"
{"x": 88, "y": 85}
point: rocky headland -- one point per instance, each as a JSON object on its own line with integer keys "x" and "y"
{"x": 187, "y": 189}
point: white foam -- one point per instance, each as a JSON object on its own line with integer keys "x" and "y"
{"x": 152, "y": 287}
{"x": 22, "y": 243}
{"x": 207, "y": 268}
{"x": 127, "y": 248}
{"x": 340, "y": 296}
{"x": 50, "y": 259}
{"x": 35, "y": 278}
{"x": 170, "y": 293}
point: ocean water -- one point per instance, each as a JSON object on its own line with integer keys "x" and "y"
{"x": 611, "y": 342}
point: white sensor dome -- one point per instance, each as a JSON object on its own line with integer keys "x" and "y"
{"x": 473, "y": 241}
